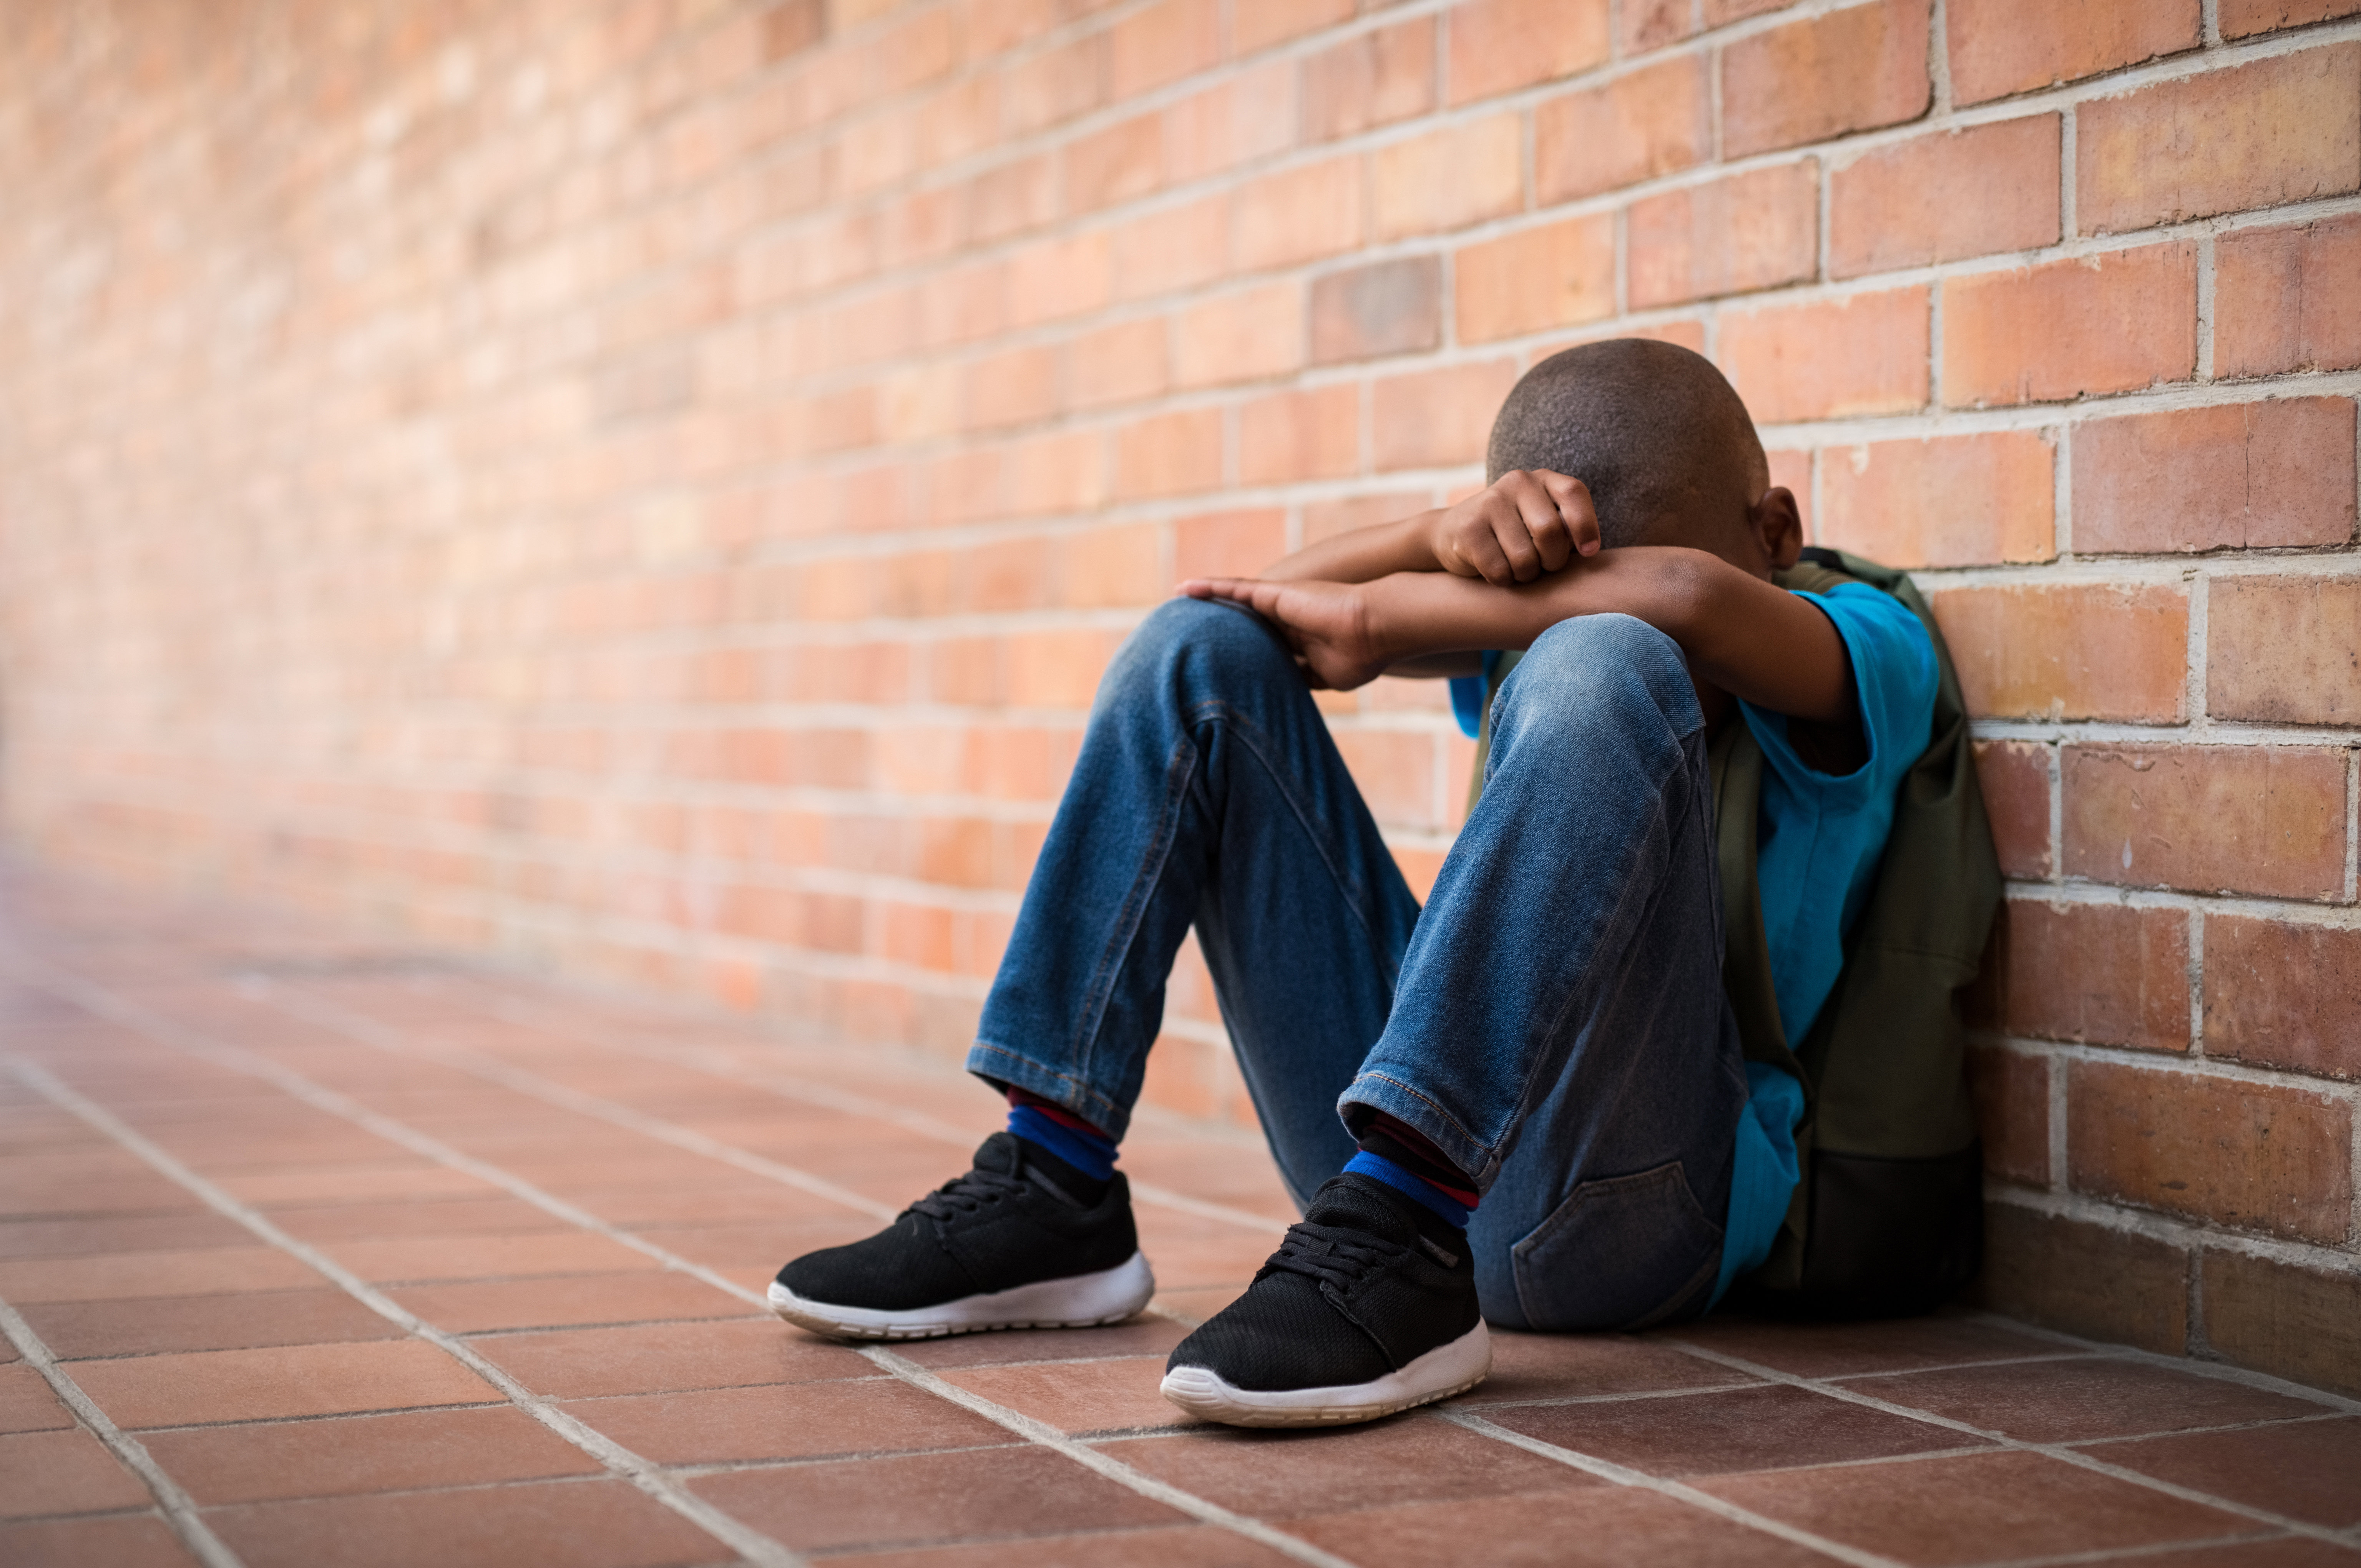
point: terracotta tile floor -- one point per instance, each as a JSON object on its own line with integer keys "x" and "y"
{"x": 320, "y": 1254}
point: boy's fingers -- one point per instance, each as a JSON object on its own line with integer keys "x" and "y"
{"x": 1552, "y": 541}
{"x": 1480, "y": 548}
{"x": 1574, "y": 505}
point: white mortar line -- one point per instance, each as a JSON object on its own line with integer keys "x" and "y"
{"x": 179, "y": 1510}
{"x": 618, "y": 1460}
{"x": 651, "y": 1478}
{"x": 1607, "y": 1470}
{"x": 2048, "y": 1450}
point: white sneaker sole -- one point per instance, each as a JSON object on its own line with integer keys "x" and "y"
{"x": 1079, "y": 1301}
{"x": 1446, "y": 1370}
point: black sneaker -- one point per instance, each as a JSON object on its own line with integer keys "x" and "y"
{"x": 1005, "y": 1246}
{"x": 1368, "y": 1306}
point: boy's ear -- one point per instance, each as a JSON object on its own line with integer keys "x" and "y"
{"x": 1777, "y": 525}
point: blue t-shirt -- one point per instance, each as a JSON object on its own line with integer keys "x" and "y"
{"x": 1817, "y": 848}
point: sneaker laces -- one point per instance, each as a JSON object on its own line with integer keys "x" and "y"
{"x": 966, "y": 1194}
{"x": 1332, "y": 1254}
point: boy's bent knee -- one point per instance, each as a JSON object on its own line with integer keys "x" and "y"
{"x": 1588, "y": 663}
{"x": 1200, "y": 639}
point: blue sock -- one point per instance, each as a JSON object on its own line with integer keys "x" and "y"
{"x": 1063, "y": 1133}
{"x": 1406, "y": 1159}
{"x": 1409, "y": 1183}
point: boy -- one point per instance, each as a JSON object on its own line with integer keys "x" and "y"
{"x": 1526, "y": 1104}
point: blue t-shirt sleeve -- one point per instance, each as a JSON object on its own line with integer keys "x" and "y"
{"x": 1468, "y": 696}
{"x": 1894, "y": 678}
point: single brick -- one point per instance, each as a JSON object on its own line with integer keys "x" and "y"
{"x": 2104, "y": 974}
{"x": 2069, "y": 652}
{"x": 2015, "y": 776}
{"x": 2085, "y": 1279}
{"x": 2099, "y": 324}
{"x": 1536, "y": 279}
{"x": 2237, "y": 475}
{"x": 1653, "y": 121}
{"x": 1956, "y": 500}
{"x": 1296, "y": 215}
{"x": 2256, "y": 135}
{"x": 1449, "y": 178}
{"x": 1111, "y": 566}
{"x": 2253, "y": 1155}
{"x": 1168, "y": 455}
{"x": 1748, "y": 231}
{"x": 1060, "y": 278}
{"x": 1945, "y": 196}
{"x": 2294, "y": 1322}
{"x": 1999, "y": 47}
{"x": 2287, "y": 299}
{"x": 1228, "y": 544}
{"x": 1248, "y": 335}
{"x": 2283, "y": 994}
{"x": 1431, "y": 418}
{"x": 1497, "y": 45}
{"x": 2258, "y": 819}
{"x": 1118, "y": 364}
{"x": 1162, "y": 43}
{"x": 2012, "y": 1095}
{"x": 1722, "y": 13}
{"x": 2245, "y": 18}
{"x": 1851, "y": 70}
{"x": 1371, "y": 79}
{"x": 1384, "y": 307}
{"x": 2284, "y": 649}
{"x": 1175, "y": 247}
{"x": 1863, "y": 354}
{"x": 1310, "y": 434}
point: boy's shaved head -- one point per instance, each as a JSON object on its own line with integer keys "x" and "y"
{"x": 1662, "y": 439}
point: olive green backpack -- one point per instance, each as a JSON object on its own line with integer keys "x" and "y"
{"x": 1888, "y": 1215}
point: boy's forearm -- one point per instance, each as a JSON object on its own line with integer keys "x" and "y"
{"x": 1362, "y": 555}
{"x": 1740, "y": 633}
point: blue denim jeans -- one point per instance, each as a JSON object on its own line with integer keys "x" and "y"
{"x": 1554, "y": 1020}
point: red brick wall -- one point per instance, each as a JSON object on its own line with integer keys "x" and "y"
{"x": 646, "y": 485}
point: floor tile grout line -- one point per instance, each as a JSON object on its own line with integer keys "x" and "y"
{"x": 1553, "y": 1401}
{"x": 2021, "y": 1445}
{"x": 325, "y": 1099}
{"x": 179, "y": 1510}
{"x": 1621, "y": 1476}
{"x": 856, "y": 1103}
{"x": 1114, "y": 1469}
{"x": 648, "y": 1478}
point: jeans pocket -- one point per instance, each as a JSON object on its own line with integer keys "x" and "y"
{"x": 1618, "y": 1253}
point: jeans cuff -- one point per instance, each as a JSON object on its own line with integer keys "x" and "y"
{"x": 999, "y": 1065}
{"x": 1380, "y": 1091}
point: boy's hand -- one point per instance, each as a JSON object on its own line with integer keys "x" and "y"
{"x": 1327, "y": 625}
{"x": 1518, "y": 527}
